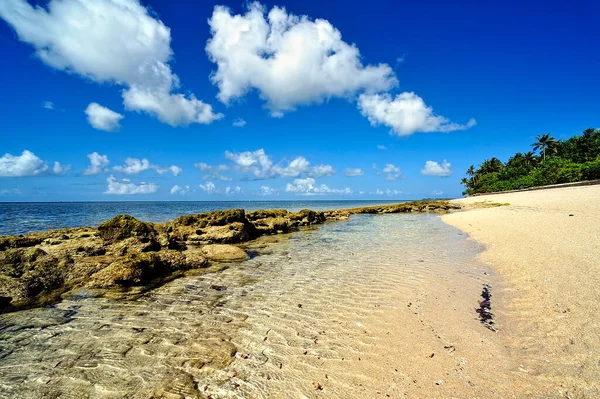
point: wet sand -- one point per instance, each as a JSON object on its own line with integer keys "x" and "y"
{"x": 545, "y": 247}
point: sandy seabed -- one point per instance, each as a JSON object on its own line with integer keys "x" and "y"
{"x": 545, "y": 247}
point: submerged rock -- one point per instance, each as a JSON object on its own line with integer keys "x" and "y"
{"x": 138, "y": 269}
{"x": 36, "y": 268}
{"x": 223, "y": 252}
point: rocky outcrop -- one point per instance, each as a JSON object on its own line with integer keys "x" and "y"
{"x": 123, "y": 251}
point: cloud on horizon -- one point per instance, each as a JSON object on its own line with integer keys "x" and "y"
{"x": 211, "y": 189}
{"x": 257, "y": 165}
{"x": 28, "y": 164}
{"x": 126, "y": 187}
{"x": 308, "y": 186}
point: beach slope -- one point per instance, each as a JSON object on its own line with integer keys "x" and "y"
{"x": 545, "y": 245}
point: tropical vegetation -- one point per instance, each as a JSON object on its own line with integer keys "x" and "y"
{"x": 551, "y": 161}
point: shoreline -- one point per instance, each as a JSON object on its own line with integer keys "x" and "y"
{"x": 545, "y": 246}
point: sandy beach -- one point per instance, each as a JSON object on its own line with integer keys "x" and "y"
{"x": 545, "y": 247}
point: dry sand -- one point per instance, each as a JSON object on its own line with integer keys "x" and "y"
{"x": 545, "y": 246}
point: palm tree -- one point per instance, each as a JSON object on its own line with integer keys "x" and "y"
{"x": 515, "y": 161}
{"x": 471, "y": 171}
{"x": 491, "y": 165}
{"x": 544, "y": 143}
{"x": 529, "y": 158}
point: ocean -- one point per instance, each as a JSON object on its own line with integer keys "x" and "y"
{"x": 25, "y": 217}
{"x": 340, "y": 311}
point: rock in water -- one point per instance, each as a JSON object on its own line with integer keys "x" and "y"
{"x": 223, "y": 252}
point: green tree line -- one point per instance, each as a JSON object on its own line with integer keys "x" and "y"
{"x": 551, "y": 161}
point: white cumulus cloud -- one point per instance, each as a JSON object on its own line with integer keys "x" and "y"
{"x": 98, "y": 164}
{"x": 213, "y": 172}
{"x": 126, "y": 187}
{"x": 260, "y": 166}
{"x": 353, "y": 172}
{"x": 28, "y": 164}
{"x": 116, "y": 41}
{"x": 432, "y": 168}
{"x": 392, "y": 171}
{"x": 59, "y": 169}
{"x": 308, "y": 186}
{"x": 102, "y": 118}
{"x": 268, "y": 191}
{"x": 388, "y": 192}
{"x": 291, "y": 60}
{"x": 406, "y": 114}
{"x": 134, "y": 166}
{"x": 210, "y": 188}
{"x": 180, "y": 190}
{"x": 10, "y": 191}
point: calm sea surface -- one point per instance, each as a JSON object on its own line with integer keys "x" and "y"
{"x": 24, "y": 217}
{"x": 339, "y": 311}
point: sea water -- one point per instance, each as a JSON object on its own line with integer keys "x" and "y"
{"x": 331, "y": 310}
{"x": 25, "y": 217}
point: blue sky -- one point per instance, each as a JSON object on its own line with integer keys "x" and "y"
{"x": 403, "y": 96}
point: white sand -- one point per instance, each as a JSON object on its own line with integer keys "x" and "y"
{"x": 545, "y": 246}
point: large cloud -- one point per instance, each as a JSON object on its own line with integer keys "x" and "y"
{"x": 103, "y": 118}
{"x": 126, "y": 187}
{"x": 406, "y": 114}
{"x": 28, "y": 164}
{"x": 289, "y": 59}
{"x": 432, "y": 168}
{"x": 110, "y": 41}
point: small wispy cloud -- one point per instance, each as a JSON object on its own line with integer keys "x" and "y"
{"x": 239, "y": 123}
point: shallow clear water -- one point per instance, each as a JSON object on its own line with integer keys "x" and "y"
{"x": 24, "y": 217}
{"x": 308, "y": 310}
